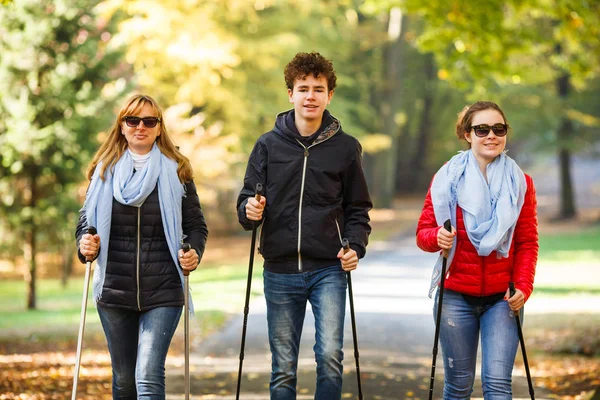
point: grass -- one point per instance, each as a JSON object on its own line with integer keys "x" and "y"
{"x": 574, "y": 247}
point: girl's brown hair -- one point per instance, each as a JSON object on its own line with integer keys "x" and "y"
{"x": 113, "y": 148}
{"x": 465, "y": 117}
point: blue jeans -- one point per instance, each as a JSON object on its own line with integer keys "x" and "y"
{"x": 138, "y": 343}
{"x": 460, "y": 326}
{"x": 286, "y": 296}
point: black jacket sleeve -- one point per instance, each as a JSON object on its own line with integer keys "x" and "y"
{"x": 79, "y": 232}
{"x": 356, "y": 203}
{"x": 256, "y": 172}
{"x": 193, "y": 222}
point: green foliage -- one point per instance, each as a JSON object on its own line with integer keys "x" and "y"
{"x": 56, "y": 93}
{"x": 508, "y": 41}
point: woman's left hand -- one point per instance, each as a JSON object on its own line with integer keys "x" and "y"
{"x": 517, "y": 301}
{"x": 188, "y": 260}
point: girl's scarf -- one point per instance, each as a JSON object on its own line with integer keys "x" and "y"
{"x": 490, "y": 208}
{"x": 132, "y": 189}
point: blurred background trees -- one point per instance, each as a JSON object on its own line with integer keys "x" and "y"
{"x": 59, "y": 77}
{"x": 405, "y": 69}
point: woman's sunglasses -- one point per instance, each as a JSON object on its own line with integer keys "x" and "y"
{"x": 149, "y": 122}
{"x": 483, "y": 130}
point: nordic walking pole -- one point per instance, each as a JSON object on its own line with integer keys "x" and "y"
{"x": 448, "y": 227}
{"x": 86, "y": 288}
{"x": 186, "y": 323}
{"x": 257, "y": 196}
{"x": 346, "y": 246}
{"x": 511, "y": 287}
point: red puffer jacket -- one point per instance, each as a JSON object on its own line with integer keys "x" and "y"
{"x": 475, "y": 275}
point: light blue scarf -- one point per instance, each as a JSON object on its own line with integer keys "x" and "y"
{"x": 490, "y": 208}
{"x": 132, "y": 189}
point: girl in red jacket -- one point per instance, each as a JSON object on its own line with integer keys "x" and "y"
{"x": 494, "y": 241}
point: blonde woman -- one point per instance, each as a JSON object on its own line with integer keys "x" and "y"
{"x": 143, "y": 202}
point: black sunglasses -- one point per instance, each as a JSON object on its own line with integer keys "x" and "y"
{"x": 484, "y": 129}
{"x": 149, "y": 122}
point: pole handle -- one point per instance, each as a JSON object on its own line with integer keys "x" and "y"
{"x": 186, "y": 247}
{"x": 258, "y": 191}
{"x": 92, "y": 231}
{"x": 346, "y": 245}
{"x": 511, "y": 288}
{"x": 448, "y": 225}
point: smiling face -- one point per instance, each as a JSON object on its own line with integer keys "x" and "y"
{"x": 486, "y": 149}
{"x": 140, "y": 138}
{"x": 310, "y": 97}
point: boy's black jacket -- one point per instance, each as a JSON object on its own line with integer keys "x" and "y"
{"x": 320, "y": 184}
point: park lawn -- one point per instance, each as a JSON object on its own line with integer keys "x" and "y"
{"x": 569, "y": 263}
{"x": 582, "y": 246}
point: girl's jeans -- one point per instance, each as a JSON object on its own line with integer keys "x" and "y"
{"x": 460, "y": 326}
{"x": 138, "y": 343}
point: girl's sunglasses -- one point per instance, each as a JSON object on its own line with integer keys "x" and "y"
{"x": 149, "y": 122}
{"x": 483, "y": 130}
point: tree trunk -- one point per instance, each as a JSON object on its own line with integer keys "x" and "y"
{"x": 386, "y": 161}
{"x": 417, "y": 165}
{"x": 30, "y": 241}
{"x": 565, "y": 135}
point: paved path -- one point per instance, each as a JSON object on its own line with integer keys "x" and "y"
{"x": 395, "y": 332}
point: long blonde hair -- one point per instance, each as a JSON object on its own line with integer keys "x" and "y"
{"x": 113, "y": 148}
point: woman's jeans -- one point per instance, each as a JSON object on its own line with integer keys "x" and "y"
{"x": 286, "y": 296}
{"x": 138, "y": 343}
{"x": 459, "y": 335}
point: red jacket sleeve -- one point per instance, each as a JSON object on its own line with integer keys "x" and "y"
{"x": 526, "y": 242}
{"x": 427, "y": 228}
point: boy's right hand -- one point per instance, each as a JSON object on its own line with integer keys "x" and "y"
{"x": 89, "y": 245}
{"x": 255, "y": 208}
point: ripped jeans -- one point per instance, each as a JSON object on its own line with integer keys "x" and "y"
{"x": 461, "y": 324}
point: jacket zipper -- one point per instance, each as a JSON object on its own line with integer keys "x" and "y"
{"x": 137, "y": 272}
{"x": 300, "y": 207}
{"x": 260, "y": 235}
{"x": 339, "y": 232}
{"x": 306, "y": 153}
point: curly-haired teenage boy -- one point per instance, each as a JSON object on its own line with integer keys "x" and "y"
{"x": 315, "y": 194}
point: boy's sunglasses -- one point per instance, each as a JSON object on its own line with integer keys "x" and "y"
{"x": 483, "y": 130}
{"x": 149, "y": 122}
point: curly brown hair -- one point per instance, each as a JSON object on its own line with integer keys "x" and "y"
{"x": 304, "y": 64}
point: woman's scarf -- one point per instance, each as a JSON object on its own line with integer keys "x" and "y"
{"x": 132, "y": 189}
{"x": 490, "y": 208}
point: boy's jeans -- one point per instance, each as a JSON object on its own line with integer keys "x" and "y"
{"x": 459, "y": 335}
{"x": 138, "y": 343}
{"x": 286, "y": 296}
